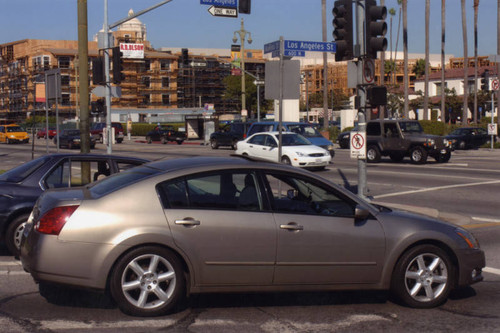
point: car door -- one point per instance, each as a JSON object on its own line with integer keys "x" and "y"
{"x": 319, "y": 241}
{"x": 269, "y": 150}
{"x": 219, "y": 222}
{"x": 256, "y": 144}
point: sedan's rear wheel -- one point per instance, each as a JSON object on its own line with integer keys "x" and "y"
{"x": 147, "y": 281}
{"x": 423, "y": 277}
{"x": 14, "y": 234}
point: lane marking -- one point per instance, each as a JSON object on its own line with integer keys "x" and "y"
{"x": 481, "y": 225}
{"x": 484, "y": 219}
{"x": 491, "y": 270}
{"x": 435, "y": 189}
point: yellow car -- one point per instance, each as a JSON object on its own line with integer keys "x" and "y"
{"x": 13, "y": 133}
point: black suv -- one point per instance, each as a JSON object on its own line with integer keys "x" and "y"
{"x": 229, "y": 135}
{"x": 398, "y": 138}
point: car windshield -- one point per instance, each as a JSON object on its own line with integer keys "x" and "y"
{"x": 14, "y": 129}
{"x": 305, "y": 130}
{"x": 21, "y": 172}
{"x": 124, "y": 178}
{"x": 456, "y": 132}
{"x": 294, "y": 140}
{"x": 410, "y": 127}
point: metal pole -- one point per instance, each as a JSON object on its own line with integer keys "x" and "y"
{"x": 492, "y": 113}
{"x": 307, "y": 97}
{"x": 360, "y": 14}
{"x": 325, "y": 69}
{"x": 280, "y": 129}
{"x": 83, "y": 82}
{"x": 47, "y": 119}
{"x": 258, "y": 98}
{"x": 107, "y": 86}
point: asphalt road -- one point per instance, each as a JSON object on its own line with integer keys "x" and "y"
{"x": 463, "y": 191}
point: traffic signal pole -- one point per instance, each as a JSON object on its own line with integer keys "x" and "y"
{"x": 359, "y": 49}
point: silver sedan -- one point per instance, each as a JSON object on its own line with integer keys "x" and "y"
{"x": 156, "y": 233}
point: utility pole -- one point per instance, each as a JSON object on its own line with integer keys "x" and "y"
{"x": 83, "y": 73}
{"x": 242, "y": 33}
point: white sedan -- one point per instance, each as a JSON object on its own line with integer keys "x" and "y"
{"x": 296, "y": 149}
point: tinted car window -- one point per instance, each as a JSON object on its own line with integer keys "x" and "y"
{"x": 23, "y": 171}
{"x": 294, "y": 140}
{"x": 373, "y": 129}
{"x": 258, "y": 140}
{"x": 307, "y": 131}
{"x": 410, "y": 126}
{"x": 224, "y": 190}
{"x": 292, "y": 194}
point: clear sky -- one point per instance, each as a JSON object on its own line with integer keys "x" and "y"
{"x": 187, "y": 23}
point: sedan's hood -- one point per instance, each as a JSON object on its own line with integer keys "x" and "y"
{"x": 310, "y": 149}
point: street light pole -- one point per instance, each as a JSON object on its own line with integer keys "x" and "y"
{"x": 242, "y": 33}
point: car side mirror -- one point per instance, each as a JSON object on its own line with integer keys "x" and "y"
{"x": 361, "y": 213}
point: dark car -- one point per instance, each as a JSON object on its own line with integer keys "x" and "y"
{"x": 20, "y": 187}
{"x": 229, "y": 135}
{"x": 165, "y": 134}
{"x": 96, "y": 131}
{"x": 152, "y": 235}
{"x": 468, "y": 137}
{"x": 344, "y": 138}
{"x": 42, "y": 133}
{"x": 70, "y": 138}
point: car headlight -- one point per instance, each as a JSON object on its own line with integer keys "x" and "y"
{"x": 330, "y": 147}
{"x": 468, "y": 237}
{"x": 76, "y": 140}
{"x": 327, "y": 153}
{"x": 300, "y": 154}
{"x": 12, "y": 136}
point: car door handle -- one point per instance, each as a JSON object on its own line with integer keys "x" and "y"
{"x": 291, "y": 226}
{"x": 187, "y": 222}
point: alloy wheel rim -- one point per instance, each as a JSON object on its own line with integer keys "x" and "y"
{"x": 426, "y": 277}
{"x": 148, "y": 281}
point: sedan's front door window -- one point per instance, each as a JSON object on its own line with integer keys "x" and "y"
{"x": 300, "y": 195}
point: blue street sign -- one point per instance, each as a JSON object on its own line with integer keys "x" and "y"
{"x": 310, "y": 46}
{"x": 220, "y": 3}
{"x": 289, "y": 53}
{"x": 270, "y": 47}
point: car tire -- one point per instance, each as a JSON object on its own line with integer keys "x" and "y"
{"x": 14, "y": 233}
{"x": 234, "y": 144}
{"x": 423, "y": 277}
{"x": 373, "y": 154}
{"x": 163, "y": 140}
{"x": 443, "y": 158}
{"x": 159, "y": 287}
{"x": 179, "y": 142}
{"x": 9, "y": 141}
{"x": 101, "y": 139}
{"x": 397, "y": 157}
{"x": 92, "y": 146}
{"x": 119, "y": 140}
{"x": 149, "y": 140}
{"x": 213, "y": 144}
{"x": 286, "y": 160}
{"x": 418, "y": 155}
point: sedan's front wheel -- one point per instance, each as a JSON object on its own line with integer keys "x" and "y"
{"x": 148, "y": 281}
{"x": 423, "y": 277}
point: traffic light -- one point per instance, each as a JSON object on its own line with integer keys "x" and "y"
{"x": 342, "y": 29}
{"x": 118, "y": 75}
{"x": 485, "y": 80}
{"x": 98, "y": 107}
{"x": 376, "y": 95}
{"x": 375, "y": 28}
{"x": 244, "y": 6}
{"x": 97, "y": 71}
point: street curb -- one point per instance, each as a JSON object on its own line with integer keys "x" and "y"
{"x": 457, "y": 219}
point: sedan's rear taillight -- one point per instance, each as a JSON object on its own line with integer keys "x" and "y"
{"x": 53, "y": 221}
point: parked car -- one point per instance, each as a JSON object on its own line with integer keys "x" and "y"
{"x": 229, "y": 135}
{"x": 13, "y": 134}
{"x": 42, "y": 133}
{"x": 165, "y": 134}
{"x": 20, "y": 187}
{"x": 468, "y": 137}
{"x": 154, "y": 234}
{"x": 296, "y": 150}
{"x": 70, "y": 138}
{"x": 398, "y": 138}
{"x": 96, "y": 131}
{"x": 344, "y": 138}
{"x": 307, "y": 130}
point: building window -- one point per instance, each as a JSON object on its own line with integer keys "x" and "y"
{"x": 64, "y": 80}
{"x": 65, "y": 99}
{"x": 146, "y": 81}
{"x": 147, "y": 64}
{"x": 64, "y": 62}
{"x": 165, "y": 99}
{"x": 146, "y": 99}
{"x": 41, "y": 62}
{"x": 165, "y": 82}
{"x": 165, "y": 65}
{"x": 471, "y": 84}
{"x": 438, "y": 88}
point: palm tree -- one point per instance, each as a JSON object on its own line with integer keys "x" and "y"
{"x": 400, "y": 2}
{"x": 476, "y": 4}
{"x": 443, "y": 95}
{"x": 392, "y": 12}
{"x": 466, "y": 65}
{"x": 426, "y": 78}
{"x": 405, "y": 51}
